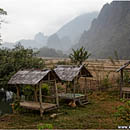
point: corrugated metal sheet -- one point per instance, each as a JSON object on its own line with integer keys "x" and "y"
{"x": 68, "y": 73}
{"x": 31, "y": 77}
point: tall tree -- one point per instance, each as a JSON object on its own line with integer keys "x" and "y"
{"x": 79, "y": 56}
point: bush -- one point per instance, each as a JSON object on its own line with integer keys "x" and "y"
{"x": 123, "y": 111}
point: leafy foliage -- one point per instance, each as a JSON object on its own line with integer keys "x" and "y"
{"x": 123, "y": 111}
{"x": 13, "y": 60}
{"x": 2, "y": 12}
{"x": 79, "y": 56}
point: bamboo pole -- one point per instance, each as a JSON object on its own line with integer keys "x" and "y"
{"x": 57, "y": 97}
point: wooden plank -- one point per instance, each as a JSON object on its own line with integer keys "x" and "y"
{"x": 36, "y": 105}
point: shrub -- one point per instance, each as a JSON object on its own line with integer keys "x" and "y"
{"x": 123, "y": 111}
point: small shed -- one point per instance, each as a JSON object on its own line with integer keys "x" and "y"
{"x": 71, "y": 74}
{"x": 124, "y": 91}
{"x": 35, "y": 78}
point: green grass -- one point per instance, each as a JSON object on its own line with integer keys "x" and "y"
{"x": 99, "y": 114}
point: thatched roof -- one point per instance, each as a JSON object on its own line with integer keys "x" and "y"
{"x": 69, "y": 72}
{"x": 123, "y": 67}
{"x": 30, "y": 77}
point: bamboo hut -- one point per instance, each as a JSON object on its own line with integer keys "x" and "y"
{"x": 70, "y": 75}
{"x": 124, "y": 91}
{"x": 36, "y": 78}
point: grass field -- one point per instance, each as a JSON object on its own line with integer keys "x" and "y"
{"x": 99, "y": 114}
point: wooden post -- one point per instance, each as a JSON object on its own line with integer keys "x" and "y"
{"x": 18, "y": 92}
{"x": 67, "y": 84}
{"x": 57, "y": 97}
{"x": 35, "y": 93}
{"x": 40, "y": 100}
{"x": 74, "y": 90}
{"x": 121, "y": 83}
{"x": 85, "y": 86}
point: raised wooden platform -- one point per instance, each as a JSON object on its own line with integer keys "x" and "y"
{"x": 70, "y": 95}
{"x": 36, "y": 105}
{"x": 80, "y": 98}
{"x": 126, "y": 89}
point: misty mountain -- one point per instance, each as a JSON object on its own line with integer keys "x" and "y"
{"x": 39, "y": 41}
{"x": 70, "y": 33}
{"x": 110, "y": 31}
{"x": 54, "y": 42}
{"x": 76, "y": 27}
{"x": 50, "y": 52}
{"x": 59, "y": 44}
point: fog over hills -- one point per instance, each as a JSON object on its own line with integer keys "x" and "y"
{"x": 71, "y": 32}
{"x": 76, "y": 27}
{"x": 100, "y": 34}
{"x": 64, "y": 38}
{"x": 39, "y": 41}
{"x": 109, "y": 32}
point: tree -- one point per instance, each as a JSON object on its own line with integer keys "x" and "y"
{"x": 2, "y": 12}
{"x": 13, "y": 60}
{"x": 79, "y": 56}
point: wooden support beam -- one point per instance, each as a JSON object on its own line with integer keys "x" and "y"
{"x": 40, "y": 100}
{"x": 35, "y": 93}
{"x": 74, "y": 90}
{"x": 18, "y": 92}
{"x": 121, "y": 83}
{"x": 57, "y": 97}
{"x": 85, "y": 86}
{"x": 67, "y": 85}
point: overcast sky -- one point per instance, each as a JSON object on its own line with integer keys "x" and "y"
{"x": 28, "y": 17}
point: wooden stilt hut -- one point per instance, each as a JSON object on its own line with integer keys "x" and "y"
{"x": 124, "y": 91}
{"x": 70, "y": 75}
{"x": 36, "y": 78}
